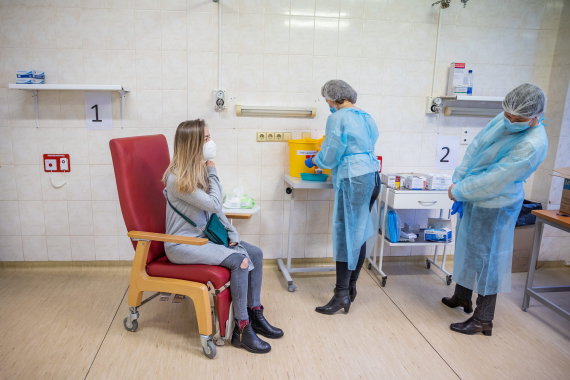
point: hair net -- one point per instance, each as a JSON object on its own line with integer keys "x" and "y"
{"x": 526, "y": 100}
{"x": 337, "y": 89}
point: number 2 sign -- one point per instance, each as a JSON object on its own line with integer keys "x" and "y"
{"x": 98, "y": 110}
{"x": 447, "y": 151}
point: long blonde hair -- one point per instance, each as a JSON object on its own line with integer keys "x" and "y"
{"x": 188, "y": 161}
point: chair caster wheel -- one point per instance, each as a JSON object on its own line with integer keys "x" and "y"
{"x": 428, "y": 264}
{"x": 448, "y": 280}
{"x": 369, "y": 266}
{"x": 288, "y": 190}
{"x": 131, "y": 326}
{"x": 384, "y": 279}
{"x": 209, "y": 349}
{"x": 291, "y": 287}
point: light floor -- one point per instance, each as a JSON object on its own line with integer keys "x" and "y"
{"x": 66, "y": 323}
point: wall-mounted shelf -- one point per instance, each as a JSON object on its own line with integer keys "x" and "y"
{"x": 69, "y": 87}
{"x": 465, "y": 105}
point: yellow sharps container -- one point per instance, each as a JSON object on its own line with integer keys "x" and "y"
{"x": 299, "y": 151}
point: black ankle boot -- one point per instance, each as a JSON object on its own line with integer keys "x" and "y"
{"x": 473, "y": 326}
{"x": 352, "y": 292}
{"x": 340, "y": 300}
{"x": 247, "y": 339}
{"x": 455, "y": 301}
{"x": 261, "y": 326}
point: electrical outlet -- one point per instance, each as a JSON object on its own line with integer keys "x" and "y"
{"x": 278, "y": 136}
{"x": 261, "y": 136}
{"x": 270, "y": 136}
{"x": 287, "y": 136}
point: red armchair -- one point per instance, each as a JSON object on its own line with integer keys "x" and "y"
{"x": 139, "y": 164}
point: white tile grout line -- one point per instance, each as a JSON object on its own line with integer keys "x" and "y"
{"x": 375, "y": 279}
{"x": 106, "y": 333}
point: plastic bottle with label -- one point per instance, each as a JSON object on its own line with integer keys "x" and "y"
{"x": 469, "y": 83}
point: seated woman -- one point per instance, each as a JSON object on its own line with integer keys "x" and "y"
{"x": 194, "y": 189}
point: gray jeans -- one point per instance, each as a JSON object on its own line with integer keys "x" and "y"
{"x": 245, "y": 285}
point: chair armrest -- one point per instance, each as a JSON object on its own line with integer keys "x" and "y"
{"x": 141, "y": 235}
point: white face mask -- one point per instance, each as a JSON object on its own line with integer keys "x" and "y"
{"x": 209, "y": 150}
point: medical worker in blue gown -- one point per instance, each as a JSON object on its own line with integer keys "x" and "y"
{"x": 488, "y": 193}
{"x": 348, "y": 149}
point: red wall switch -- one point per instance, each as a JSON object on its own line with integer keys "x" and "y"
{"x": 56, "y": 163}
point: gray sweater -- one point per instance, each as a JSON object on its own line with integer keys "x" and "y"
{"x": 198, "y": 206}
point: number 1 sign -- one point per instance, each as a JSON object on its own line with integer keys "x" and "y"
{"x": 447, "y": 151}
{"x": 98, "y": 110}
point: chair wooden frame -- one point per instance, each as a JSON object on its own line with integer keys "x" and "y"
{"x": 140, "y": 282}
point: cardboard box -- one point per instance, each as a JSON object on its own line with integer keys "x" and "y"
{"x": 522, "y": 248}
{"x": 565, "y": 201}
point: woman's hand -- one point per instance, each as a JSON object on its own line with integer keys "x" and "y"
{"x": 233, "y": 243}
{"x": 450, "y": 194}
{"x": 210, "y": 164}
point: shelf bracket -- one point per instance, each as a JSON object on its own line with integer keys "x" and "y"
{"x": 123, "y": 95}
{"x": 36, "y": 99}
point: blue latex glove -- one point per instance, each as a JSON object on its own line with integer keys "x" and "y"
{"x": 309, "y": 162}
{"x": 457, "y": 208}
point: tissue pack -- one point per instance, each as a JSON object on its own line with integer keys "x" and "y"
{"x": 438, "y": 234}
{"x": 24, "y": 74}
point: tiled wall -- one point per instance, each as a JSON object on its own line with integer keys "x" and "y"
{"x": 275, "y": 52}
{"x": 548, "y": 189}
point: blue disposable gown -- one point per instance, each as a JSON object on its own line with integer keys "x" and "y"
{"x": 348, "y": 149}
{"x": 489, "y": 182}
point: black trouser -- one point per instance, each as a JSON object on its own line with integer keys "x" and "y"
{"x": 485, "y": 310}
{"x": 345, "y": 277}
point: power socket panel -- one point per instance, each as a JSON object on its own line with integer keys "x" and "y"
{"x": 272, "y": 136}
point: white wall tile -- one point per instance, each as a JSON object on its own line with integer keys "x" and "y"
{"x": 278, "y": 7}
{"x": 103, "y": 187}
{"x": 8, "y": 186}
{"x": 104, "y": 217}
{"x": 272, "y": 246}
{"x": 147, "y": 31}
{"x": 59, "y": 248}
{"x": 80, "y": 218}
{"x": 300, "y": 73}
{"x": 56, "y": 218}
{"x": 302, "y": 7}
{"x": 251, "y": 32}
{"x": 173, "y": 5}
{"x": 174, "y": 33}
{"x": 106, "y": 248}
{"x": 302, "y": 35}
{"x": 10, "y": 217}
{"x": 34, "y": 248}
{"x": 11, "y": 248}
{"x": 202, "y": 32}
{"x": 82, "y": 248}
{"x": 32, "y": 217}
{"x": 326, "y": 36}
{"x": 126, "y": 249}
{"x": 276, "y": 39}
{"x": 316, "y": 245}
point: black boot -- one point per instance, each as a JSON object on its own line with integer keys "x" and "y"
{"x": 455, "y": 301}
{"x": 352, "y": 291}
{"x": 473, "y": 326}
{"x": 247, "y": 339}
{"x": 261, "y": 326}
{"x": 340, "y": 300}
